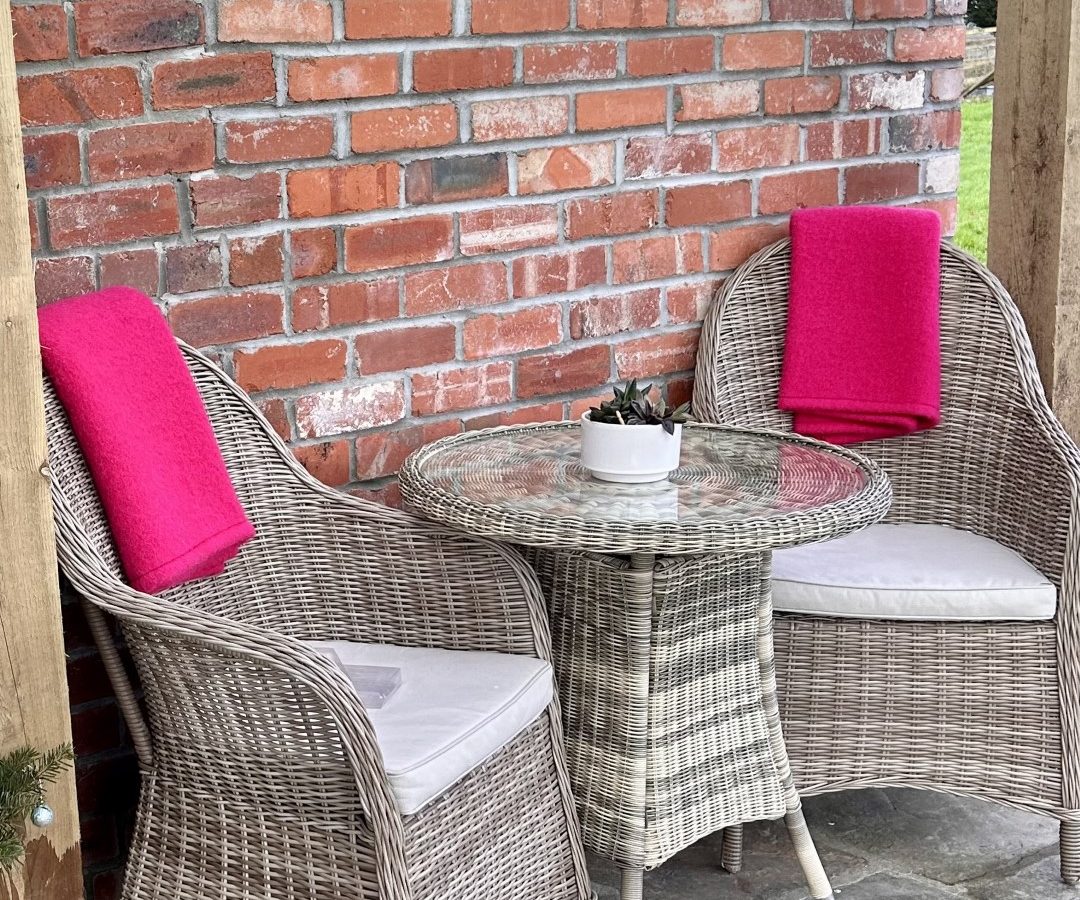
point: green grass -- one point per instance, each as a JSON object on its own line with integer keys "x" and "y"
{"x": 973, "y": 214}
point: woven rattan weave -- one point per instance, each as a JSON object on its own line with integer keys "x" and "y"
{"x": 983, "y": 709}
{"x": 663, "y": 654}
{"x": 261, "y": 775}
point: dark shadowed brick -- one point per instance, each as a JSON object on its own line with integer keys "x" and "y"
{"x": 456, "y": 178}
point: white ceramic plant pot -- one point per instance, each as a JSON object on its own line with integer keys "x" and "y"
{"x": 630, "y": 454}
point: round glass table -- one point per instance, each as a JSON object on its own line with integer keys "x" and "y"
{"x": 661, "y": 615}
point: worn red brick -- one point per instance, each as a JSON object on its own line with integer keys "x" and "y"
{"x": 926, "y": 44}
{"x": 890, "y": 9}
{"x": 501, "y": 228}
{"x": 383, "y": 452}
{"x": 256, "y": 260}
{"x": 600, "y": 110}
{"x": 278, "y": 140}
{"x": 231, "y": 78}
{"x": 64, "y": 276}
{"x": 622, "y": 13}
{"x": 671, "y": 154}
{"x": 412, "y": 347}
{"x": 564, "y": 372}
{"x": 344, "y": 303}
{"x": 500, "y": 17}
{"x": 731, "y": 247}
{"x": 290, "y": 365}
{"x": 51, "y": 160}
{"x": 561, "y": 63}
{"x": 340, "y": 189}
{"x": 763, "y": 50}
{"x": 343, "y": 77}
{"x": 615, "y": 313}
{"x": 93, "y": 218}
{"x": 134, "y": 268}
{"x": 455, "y": 287}
{"x": 806, "y": 10}
{"x": 151, "y": 149}
{"x": 398, "y": 242}
{"x": 757, "y": 147}
{"x": 193, "y": 267}
{"x": 656, "y": 256}
{"x": 220, "y": 200}
{"x": 227, "y": 318}
{"x": 499, "y": 334}
{"x": 313, "y": 252}
{"x": 716, "y": 100}
{"x": 455, "y": 70}
{"x": 947, "y": 84}
{"x": 35, "y": 225}
{"x": 565, "y": 168}
{"x": 848, "y": 47}
{"x": 346, "y": 409}
{"x": 669, "y": 56}
{"x": 801, "y": 94}
{"x": 40, "y": 33}
{"x": 689, "y": 303}
{"x": 505, "y": 120}
{"x": 456, "y": 178}
{"x": 404, "y": 128}
{"x": 783, "y": 193}
{"x": 704, "y": 203}
{"x": 397, "y": 18}
{"x": 843, "y": 140}
{"x": 328, "y": 461}
{"x": 622, "y": 213}
{"x": 541, "y": 274}
{"x": 887, "y": 90}
{"x": 881, "y": 181}
{"x": 275, "y": 21}
{"x": 463, "y": 387}
{"x": 135, "y": 26}
{"x": 659, "y": 354}
{"x": 938, "y": 129}
{"x": 712, "y": 13}
{"x": 80, "y": 95}
{"x": 551, "y": 411}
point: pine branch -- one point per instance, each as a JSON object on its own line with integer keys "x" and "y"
{"x": 24, "y": 775}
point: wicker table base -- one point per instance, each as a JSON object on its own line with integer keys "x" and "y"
{"x": 666, "y": 681}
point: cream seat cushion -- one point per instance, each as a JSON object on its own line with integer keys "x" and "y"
{"x": 454, "y": 710}
{"x": 927, "y": 572}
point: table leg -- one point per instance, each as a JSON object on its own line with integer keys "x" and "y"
{"x": 633, "y": 884}
{"x": 731, "y": 849}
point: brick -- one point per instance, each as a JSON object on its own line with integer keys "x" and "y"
{"x": 340, "y": 189}
{"x": 926, "y": 44}
{"x": 399, "y": 242}
{"x": 599, "y": 110}
{"x": 133, "y": 268}
{"x": 456, "y": 178}
{"x": 763, "y": 50}
{"x": 664, "y": 155}
{"x": 801, "y": 94}
{"x": 221, "y": 200}
{"x": 884, "y": 181}
{"x": 947, "y": 84}
{"x": 950, "y": 7}
{"x": 382, "y": 453}
{"x": 659, "y": 354}
{"x": 80, "y": 95}
{"x": 66, "y": 276}
{"x": 93, "y": 218}
{"x": 890, "y": 9}
{"x": 654, "y": 257}
{"x": 783, "y": 193}
{"x": 350, "y": 409}
{"x": 40, "y": 33}
{"x": 396, "y": 18}
{"x": 227, "y": 318}
{"x": 455, "y": 70}
{"x": 214, "y": 81}
{"x": 713, "y": 13}
{"x": 344, "y": 303}
{"x": 520, "y": 415}
{"x": 806, "y": 10}
{"x": 566, "y": 168}
{"x": 404, "y": 128}
{"x": 193, "y": 267}
{"x": 716, "y": 100}
{"x": 943, "y": 174}
{"x": 502, "y": 228}
{"x": 689, "y": 303}
{"x": 343, "y": 77}
{"x": 499, "y": 334}
{"x": 669, "y": 56}
{"x": 275, "y": 21}
{"x": 312, "y": 252}
{"x": 135, "y": 26}
{"x": 500, "y": 17}
{"x": 51, "y": 160}
{"x": 622, "y": 213}
{"x": 328, "y": 461}
{"x": 35, "y": 225}
{"x": 156, "y": 148}
{"x": 465, "y": 387}
{"x": 581, "y": 405}
{"x": 398, "y": 349}
{"x": 887, "y": 90}
{"x": 843, "y": 140}
{"x": 759, "y": 147}
{"x": 849, "y": 47}
{"x": 505, "y": 120}
{"x": 562, "y": 63}
{"x": 278, "y": 140}
{"x": 541, "y": 274}
{"x": 731, "y": 247}
{"x": 290, "y": 365}
{"x": 256, "y": 260}
{"x": 563, "y": 373}
{"x": 601, "y": 316}
{"x": 935, "y": 130}
{"x": 273, "y": 409}
{"x": 385, "y": 495}
{"x": 704, "y": 203}
{"x": 455, "y": 287}
{"x": 945, "y": 209}
{"x": 622, "y": 13}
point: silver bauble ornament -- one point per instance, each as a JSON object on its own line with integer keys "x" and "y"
{"x": 42, "y": 816}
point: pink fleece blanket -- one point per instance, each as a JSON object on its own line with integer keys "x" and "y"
{"x": 146, "y": 437}
{"x": 863, "y": 358}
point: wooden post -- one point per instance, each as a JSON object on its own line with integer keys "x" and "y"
{"x": 1035, "y": 185}
{"x": 33, "y": 684}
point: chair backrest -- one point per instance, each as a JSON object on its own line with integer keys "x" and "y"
{"x": 992, "y": 401}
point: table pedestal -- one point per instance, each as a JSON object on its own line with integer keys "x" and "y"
{"x": 668, "y": 692}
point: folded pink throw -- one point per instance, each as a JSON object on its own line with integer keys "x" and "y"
{"x": 148, "y": 442}
{"x": 863, "y": 353}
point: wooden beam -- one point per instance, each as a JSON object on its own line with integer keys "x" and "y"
{"x": 33, "y": 683}
{"x": 1034, "y": 244}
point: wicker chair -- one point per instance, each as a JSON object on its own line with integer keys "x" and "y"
{"x": 261, "y": 774}
{"x": 982, "y": 709}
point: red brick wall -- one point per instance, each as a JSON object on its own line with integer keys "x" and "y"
{"x": 393, "y": 219}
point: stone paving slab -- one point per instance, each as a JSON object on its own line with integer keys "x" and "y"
{"x": 876, "y": 845}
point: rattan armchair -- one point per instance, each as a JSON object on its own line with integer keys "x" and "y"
{"x": 261, "y": 773}
{"x": 982, "y": 709}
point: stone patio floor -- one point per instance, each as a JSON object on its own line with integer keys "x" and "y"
{"x": 876, "y": 845}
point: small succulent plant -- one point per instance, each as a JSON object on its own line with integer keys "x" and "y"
{"x": 632, "y": 406}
